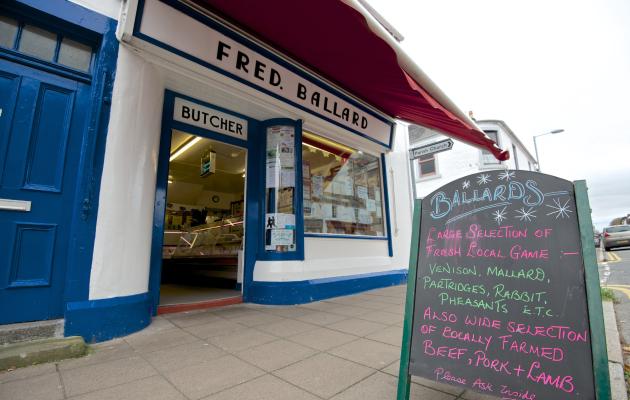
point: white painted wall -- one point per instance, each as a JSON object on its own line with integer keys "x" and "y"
{"x": 464, "y": 159}
{"x": 110, "y": 8}
{"x": 122, "y": 247}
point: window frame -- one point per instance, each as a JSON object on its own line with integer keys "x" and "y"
{"x": 515, "y": 155}
{"x": 434, "y": 175}
{"x": 483, "y": 164}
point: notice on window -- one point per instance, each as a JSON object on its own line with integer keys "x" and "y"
{"x": 365, "y": 217}
{"x": 280, "y": 221}
{"x": 347, "y": 188}
{"x": 327, "y": 211}
{"x": 307, "y": 207}
{"x": 280, "y": 157}
{"x": 281, "y": 237}
{"x": 281, "y": 144}
{"x": 370, "y": 204}
{"x": 287, "y": 177}
{"x": 272, "y": 175}
{"x": 306, "y": 191}
{"x": 317, "y": 183}
{"x": 345, "y": 214}
{"x": 362, "y": 192}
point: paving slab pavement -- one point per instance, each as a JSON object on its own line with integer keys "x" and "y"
{"x": 342, "y": 349}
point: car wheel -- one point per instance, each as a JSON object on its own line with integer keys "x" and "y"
{"x": 607, "y": 248}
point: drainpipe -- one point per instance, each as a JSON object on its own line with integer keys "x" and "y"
{"x": 126, "y": 19}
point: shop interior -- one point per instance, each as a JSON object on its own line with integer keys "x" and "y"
{"x": 202, "y": 255}
{"x": 342, "y": 189}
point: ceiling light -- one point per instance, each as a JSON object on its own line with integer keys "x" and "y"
{"x": 185, "y": 147}
{"x": 234, "y": 154}
{"x": 328, "y": 142}
{"x": 170, "y": 181}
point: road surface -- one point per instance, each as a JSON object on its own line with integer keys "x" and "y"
{"x": 618, "y": 279}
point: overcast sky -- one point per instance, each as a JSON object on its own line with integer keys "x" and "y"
{"x": 538, "y": 65}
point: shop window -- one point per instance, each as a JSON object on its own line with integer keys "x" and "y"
{"x": 427, "y": 166}
{"x": 44, "y": 45}
{"x": 515, "y": 156}
{"x": 342, "y": 189}
{"x": 486, "y": 157}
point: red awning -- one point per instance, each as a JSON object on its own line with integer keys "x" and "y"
{"x": 341, "y": 41}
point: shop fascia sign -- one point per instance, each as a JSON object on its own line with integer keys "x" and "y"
{"x": 168, "y": 26}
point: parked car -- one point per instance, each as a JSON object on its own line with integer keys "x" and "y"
{"x": 615, "y": 236}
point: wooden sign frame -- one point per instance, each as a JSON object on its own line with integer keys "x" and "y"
{"x": 593, "y": 294}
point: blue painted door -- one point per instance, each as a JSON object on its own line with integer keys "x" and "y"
{"x": 42, "y": 120}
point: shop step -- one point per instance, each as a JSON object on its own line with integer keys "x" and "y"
{"x": 33, "y": 352}
{"x": 27, "y": 331}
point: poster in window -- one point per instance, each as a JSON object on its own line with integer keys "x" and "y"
{"x": 285, "y": 199}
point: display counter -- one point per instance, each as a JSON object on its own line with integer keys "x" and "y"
{"x": 220, "y": 240}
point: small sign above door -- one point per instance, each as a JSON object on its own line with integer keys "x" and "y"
{"x": 207, "y": 118}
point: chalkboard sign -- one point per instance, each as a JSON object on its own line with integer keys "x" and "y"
{"x": 499, "y": 300}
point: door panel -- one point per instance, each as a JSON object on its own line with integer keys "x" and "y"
{"x": 9, "y": 87}
{"x": 42, "y": 123}
{"x": 48, "y": 139}
{"x": 28, "y": 267}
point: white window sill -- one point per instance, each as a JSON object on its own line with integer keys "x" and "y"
{"x": 490, "y": 166}
{"x": 428, "y": 178}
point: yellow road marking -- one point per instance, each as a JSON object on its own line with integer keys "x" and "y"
{"x": 625, "y": 289}
{"x": 615, "y": 257}
{"x": 612, "y": 257}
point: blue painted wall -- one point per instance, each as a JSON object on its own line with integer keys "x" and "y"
{"x": 99, "y": 320}
{"x": 299, "y": 292}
